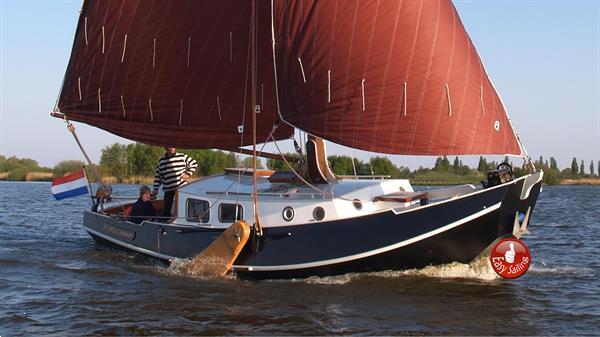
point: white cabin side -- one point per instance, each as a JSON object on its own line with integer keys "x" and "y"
{"x": 281, "y": 204}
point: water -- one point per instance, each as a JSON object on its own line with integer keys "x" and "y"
{"x": 55, "y": 280}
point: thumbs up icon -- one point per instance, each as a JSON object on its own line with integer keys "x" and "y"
{"x": 510, "y": 254}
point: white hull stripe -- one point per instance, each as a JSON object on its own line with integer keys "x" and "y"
{"x": 372, "y": 252}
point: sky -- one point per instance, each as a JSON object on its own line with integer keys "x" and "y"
{"x": 543, "y": 57}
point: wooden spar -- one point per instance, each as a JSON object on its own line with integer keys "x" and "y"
{"x": 103, "y": 190}
{"x": 267, "y": 155}
{"x": 218, "y": 258}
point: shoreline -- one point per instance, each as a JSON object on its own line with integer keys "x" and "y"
{"x": 582, "y": 181}
{"x": 141, "y": 180}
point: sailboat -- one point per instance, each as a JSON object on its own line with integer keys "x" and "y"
{"x": 389, "y": 77}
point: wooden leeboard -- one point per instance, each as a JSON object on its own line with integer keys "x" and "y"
{"x": 217, "y": 259}
{"x": 322, "y": 159}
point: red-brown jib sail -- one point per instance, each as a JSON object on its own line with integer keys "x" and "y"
{"x": 397, "y": 77}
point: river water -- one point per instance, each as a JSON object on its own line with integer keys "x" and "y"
{"x": 55, "y": 280}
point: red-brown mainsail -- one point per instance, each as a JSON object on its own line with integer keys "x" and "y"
{"x": 171, "y": 72}
{"x": 398, "y": 77}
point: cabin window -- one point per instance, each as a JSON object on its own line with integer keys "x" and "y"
{"x": 197, "y": 210}
{"x": 227, "y": 212}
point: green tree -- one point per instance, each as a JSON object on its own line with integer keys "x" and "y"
{"x": 540, "y": 162}
{"x": 248, "y": 163}
{"x": 277, "y": 165}
{"x": 211, "y": 162}
{"x": 14, "y": 163}
{"x": 280, "y": 165}
{"x": 403, "y": 172}
{"x": 551, "y": 177}
{"x": 456, "y": 165}
{"x": 114, "y": 160}
{"x": 442, "y": 164}
{"x": 340, "y": 165}
{"x": 592, "y": 168}
{"x": 362, "y": 168}
{"x": 18, "y": 168}
{"x": 553, "y": 164}
{"x": 482, "y": 167}
{"x": 18, "y": 174}
{"x": 464, "y": 170}
{"x": 67, "y": 166}
{"x": 383, "y": 166}
{"x": 574, "y": 167}
{"x": 142, "y": 159}
{"x": 581, "y": 169}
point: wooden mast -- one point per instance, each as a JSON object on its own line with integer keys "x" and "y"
{"x": 218, "y": 258}
{"x": 255, "y": 109}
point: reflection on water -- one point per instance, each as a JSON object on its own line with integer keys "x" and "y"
{"x": 55, "y": 280}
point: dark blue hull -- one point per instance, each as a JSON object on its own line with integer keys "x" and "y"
{"x": 453, "y": 230}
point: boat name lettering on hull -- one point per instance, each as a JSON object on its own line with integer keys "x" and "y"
{"x": 125, "y": 234}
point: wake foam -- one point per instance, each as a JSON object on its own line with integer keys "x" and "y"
{"x": 479, "y": 269}
{"x": 181, "y": 267}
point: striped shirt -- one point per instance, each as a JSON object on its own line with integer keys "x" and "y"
{"x": 170, "y": 169}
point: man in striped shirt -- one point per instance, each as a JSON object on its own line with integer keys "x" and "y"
{"x": 172, "y": 171}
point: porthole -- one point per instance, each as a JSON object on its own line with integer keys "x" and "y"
{"x": 288, "y": 213}
{"x": 319, "y": 213}
{"x": 357, "y": 204}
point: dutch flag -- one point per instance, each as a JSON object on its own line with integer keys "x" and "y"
{"x": 71, "y": 185}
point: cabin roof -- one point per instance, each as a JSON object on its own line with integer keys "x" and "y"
{"x": 235, "y": 186}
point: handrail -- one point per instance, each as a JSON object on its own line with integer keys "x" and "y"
{"x": 381, "y": 176}
{"x": 264, "y": 193}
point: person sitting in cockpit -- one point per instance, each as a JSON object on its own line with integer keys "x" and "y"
{"x": 142, "y": 209}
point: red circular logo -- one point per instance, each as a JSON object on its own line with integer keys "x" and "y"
{"x": 510, "y": 258}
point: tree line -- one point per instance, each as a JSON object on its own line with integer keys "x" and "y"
{"x": 14, "y": 168}
{"x": 132, "y": 162}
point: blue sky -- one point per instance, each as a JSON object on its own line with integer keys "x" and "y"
{"x": 543, "y": 57}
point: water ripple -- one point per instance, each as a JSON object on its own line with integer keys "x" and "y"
{"x": 54, "y": 280}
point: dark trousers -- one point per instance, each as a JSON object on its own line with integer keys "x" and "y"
{"x": 169, "y": 195}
